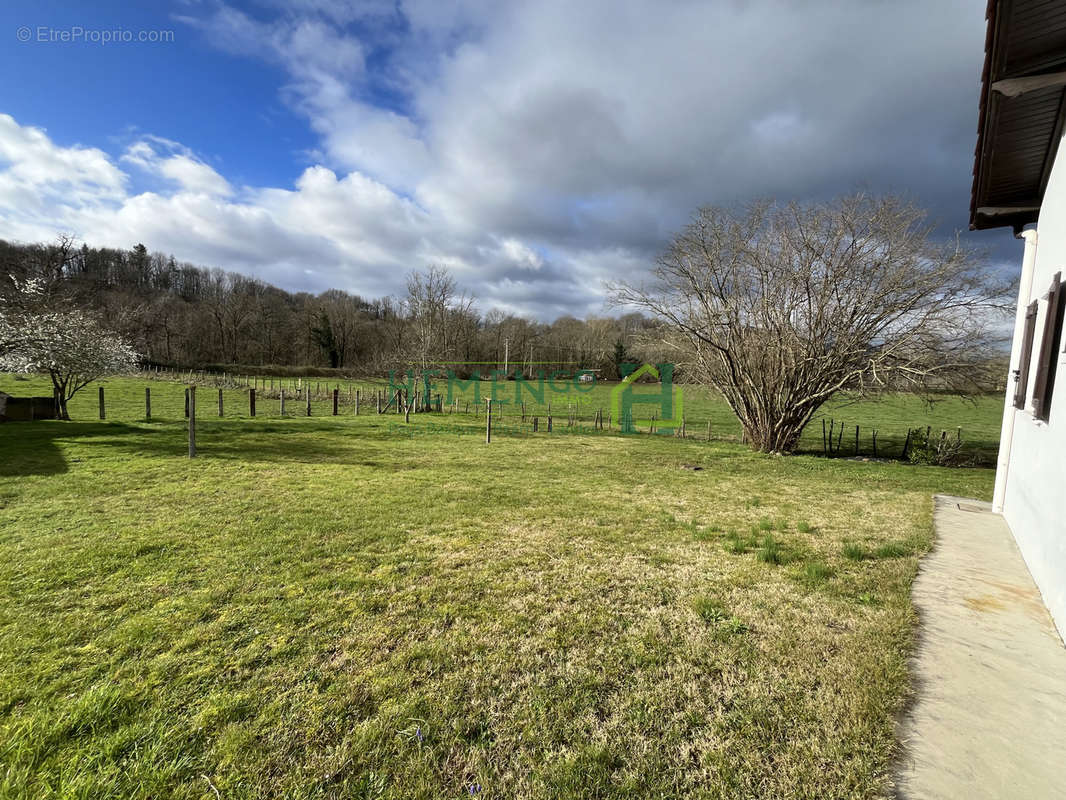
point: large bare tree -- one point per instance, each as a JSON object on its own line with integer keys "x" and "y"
{"x": 782, "y": 306}
{"x": 435, "y": 310}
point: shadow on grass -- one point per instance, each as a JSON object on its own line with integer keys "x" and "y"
{"x": 30, "y": 448}
{"x": 37, "y": 448}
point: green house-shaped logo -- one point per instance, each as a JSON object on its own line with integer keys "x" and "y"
{"x": 669, "y": 399}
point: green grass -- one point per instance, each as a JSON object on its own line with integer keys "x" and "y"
{"x": 891, "y": 415}
{"x": 770, "y": 551}
{"x": 816, "y": 572}
{"x": 328, "y": 607}
{"x": 855, "y": 552}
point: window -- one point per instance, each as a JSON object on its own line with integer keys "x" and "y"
{"x": 1049, "y": 351}
{"x": 1027, "y": 353}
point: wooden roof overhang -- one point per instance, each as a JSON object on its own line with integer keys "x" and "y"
{"x": 1023, "y": 104}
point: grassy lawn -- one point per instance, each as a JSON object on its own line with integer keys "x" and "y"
{"x": 976, "y": 420}
{"x": 328, "y": 607}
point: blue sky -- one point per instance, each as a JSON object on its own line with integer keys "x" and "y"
{"x": 536, "y": 149}
{"x": 222, "y": 105}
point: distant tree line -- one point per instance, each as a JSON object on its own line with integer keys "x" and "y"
{"x": 180, "y": 314}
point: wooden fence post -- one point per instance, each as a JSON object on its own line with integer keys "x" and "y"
{"x": 336, "y": 392}
{"x": 251, "y": 402}
{"x": 220, "y": 401}
{"x": 549, "y": 423}
{"x": 282, "y": 396}
{"x": 102, "y": 415}
{"x": 535, "y": 421}
{"x": 192, "y": 421}
{"x": 357, "y": 402}
{"x": 825, "y": 452}
{"x": 186, "y": 402}
{"x": 875, "y": 442}
{"x": 488, "y": 421}
{"x": 307, "y": 397}
{"x": 147, "y": 402}
{"x": 856, "y": 440}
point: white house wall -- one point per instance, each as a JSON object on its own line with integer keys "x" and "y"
{"x": 1034, "y": 501}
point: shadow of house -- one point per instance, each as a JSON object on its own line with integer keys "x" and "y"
{"x": 26, "y": 409}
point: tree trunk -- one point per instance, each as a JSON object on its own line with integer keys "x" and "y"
{"x": 766, "y": 437}
{"x": 59, "y": 391}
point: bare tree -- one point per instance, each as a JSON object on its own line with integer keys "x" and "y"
{"x": 782, "y": 306}
{"x": 435, "y": 309}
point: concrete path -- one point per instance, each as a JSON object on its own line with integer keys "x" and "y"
{"x": 989, "y": 719}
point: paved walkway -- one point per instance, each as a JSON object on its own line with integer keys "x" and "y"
{"x": 989, "y": 719}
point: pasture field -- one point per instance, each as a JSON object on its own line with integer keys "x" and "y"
{"x": 354, "y": 607}
{"x": 976, "y": 420}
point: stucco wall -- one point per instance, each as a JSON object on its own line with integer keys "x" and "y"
{"x": 1034, "y": 502}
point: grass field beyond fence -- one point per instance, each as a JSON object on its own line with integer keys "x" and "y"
{"x": 353, "y": 607}
{"x": 975, "y": 420}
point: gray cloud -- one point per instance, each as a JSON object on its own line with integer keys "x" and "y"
{"x": 540, "y": 148}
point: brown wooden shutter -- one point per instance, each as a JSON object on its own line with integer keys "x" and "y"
{"x": 1044, "y": 385}
{"x": 1026, "y": 355}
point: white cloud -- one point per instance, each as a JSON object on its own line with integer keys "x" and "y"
{"x": 177, "y": 164}
{"x": 537, "y": 148}
{"x": 348, "y": 232}
{"x": 40, "y": 180}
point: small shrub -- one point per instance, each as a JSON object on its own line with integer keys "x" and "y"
{"x": 710, "y": 610}
{"x": 765, "y": 524}
{"x": 934, "y": 449}
{"x": 855, "y": 552}
{"x": 736, "y": 626}
{"x": 770, "y": 552}
{"x": 804, "y": 527}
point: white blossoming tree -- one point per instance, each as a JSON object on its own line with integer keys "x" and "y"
{"x": 70, "y": 345}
